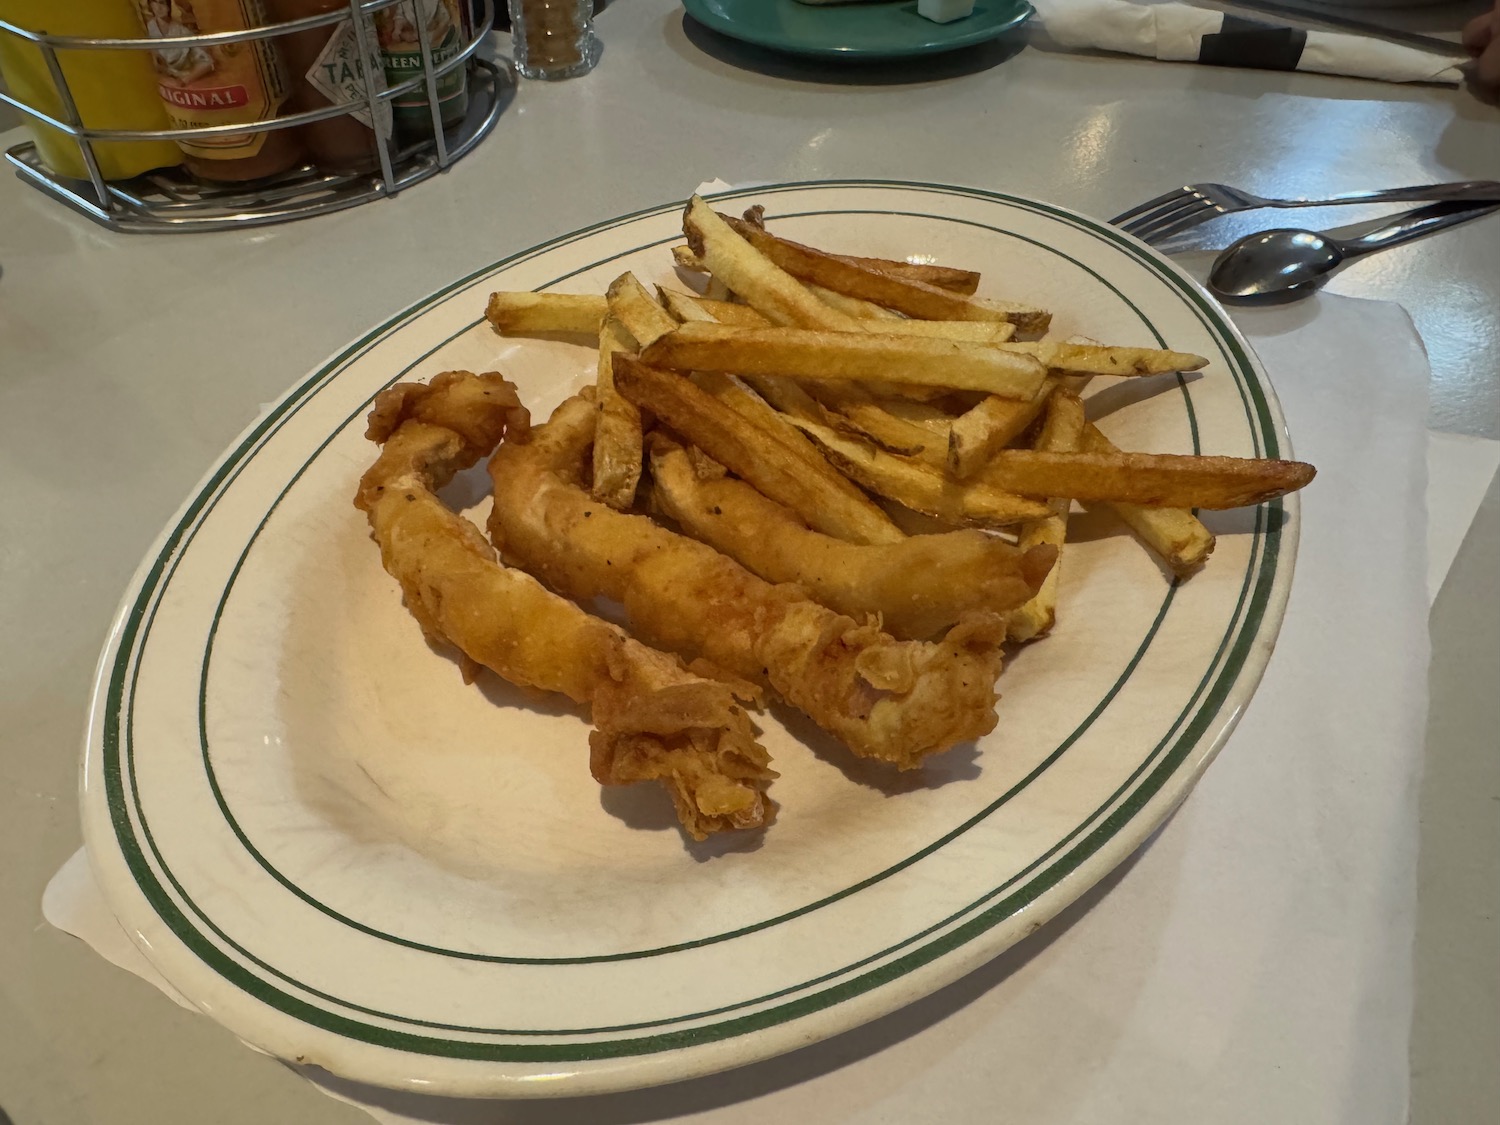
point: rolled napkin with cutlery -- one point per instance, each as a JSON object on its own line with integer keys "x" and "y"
{"x": 1181, "y": 33}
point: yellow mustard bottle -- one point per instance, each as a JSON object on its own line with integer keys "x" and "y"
{"x": 112, "y": 89}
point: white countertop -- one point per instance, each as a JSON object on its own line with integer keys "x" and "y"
{"x": 128, "y": 362}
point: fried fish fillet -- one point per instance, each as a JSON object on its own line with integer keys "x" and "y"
{"x": 654, "y": 719}
{"x": 920, "y": 586}
{"x": 896, "y": 701}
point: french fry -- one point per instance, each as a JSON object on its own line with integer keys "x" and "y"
{"x": 746, "y": 271}
{"x": 914, "y": 298}
{"x": 954, "y": 280}
{"x": 526, "y": 314}
{"x": 1061, "y": 433}
{"x": 921, "y": 487}
{"x": 892, "y": 434}
{"x": 944, "y": 277}
{"x": 728, "y": 312}
{"x": 685, "y": 307}
{"x": 995, "y": 422}
{"x": 637, "y": 311}
{"x": 965, "y": 331}
{"x": 684, "y": 258}
{"x": 1176, "y": 536}
{"x": 869, "y": 416}
{"x": 1096, "y": 359}
{"x": 809, "y": 486}
{"x": 789, "y": 398}
{"x": 618, "y": 448}
{"x": 851, "y": 306}
{"x": 1152, "y": 480}
{"x": 846, "y": 356}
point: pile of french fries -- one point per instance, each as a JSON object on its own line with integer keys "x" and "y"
{"x": 851, "y": 389}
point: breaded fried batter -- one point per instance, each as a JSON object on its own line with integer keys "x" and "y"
{"x": 653, "y": 718}
{"x": 892, "y": 700}
{"x": 919, "y": 586}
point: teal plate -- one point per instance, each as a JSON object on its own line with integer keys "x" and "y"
{"x": 884, "y": 30}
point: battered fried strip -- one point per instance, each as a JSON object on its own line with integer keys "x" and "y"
{"x": 896, "y": 701}
{"x": 654, "y": 719}
{"x": 920, "y": 586}
{"x": 1061, "y": 433}
{"x": 796, "y": 476}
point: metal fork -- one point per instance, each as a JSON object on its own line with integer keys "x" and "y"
{"x": 1176, "y": 211}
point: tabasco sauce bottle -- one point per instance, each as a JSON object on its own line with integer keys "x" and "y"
{"x": 330, "y": 66}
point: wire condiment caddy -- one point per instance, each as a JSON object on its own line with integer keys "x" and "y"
{"x": 171, "y": 200}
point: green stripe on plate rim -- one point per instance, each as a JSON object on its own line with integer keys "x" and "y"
{"x": 213, "y": 957}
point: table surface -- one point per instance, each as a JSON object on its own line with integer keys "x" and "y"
{"x": 129, "y": 362}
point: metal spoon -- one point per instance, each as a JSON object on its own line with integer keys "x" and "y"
{"x": 1275, "y": 266}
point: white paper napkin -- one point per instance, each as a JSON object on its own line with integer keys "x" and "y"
{"x": 1182, "y": 33}
{"x": 1253, "y": 962}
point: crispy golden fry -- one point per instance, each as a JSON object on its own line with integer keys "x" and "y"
{"x": 654, "y": 719}
{"x": 726, "y": 312}
{"x": 920, "y": 586}
{"x": 896, "y": 701}
{"x": 635, "y": 309}
{"x": 618, "y": 447}
{"x": 1176, "y": 535}
{"x": 851, "y": 306}
{"x": 746, "y": 271}
{"x": 685, "y": 306}
{"x": 1096, "y": 359}
{"x": 1153, "y": 480}
{"x": 799, "y": 353}
{"x": 790, "y": 398}
{"x": 527, "y": 314}
{"x": 684, "y": 258}
{"x": 992, "y": 425}
{"x": 873, "y": 418}
{"x": 1061, "y": 433}
{"x": 806, "y": 484}
{"x": 914, "y": 298}
{"x": 920, "y": 486}
{"x": 944, "y": 277}
{"x": 994, "y": 422}
{"x": 965, "y": 331}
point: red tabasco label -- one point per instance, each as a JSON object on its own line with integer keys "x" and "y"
{"x": 223, "y": 84}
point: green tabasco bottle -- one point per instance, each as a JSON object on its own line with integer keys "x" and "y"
{"x": 401, "y": 52}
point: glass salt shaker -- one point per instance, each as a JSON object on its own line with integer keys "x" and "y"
{"x": 553, "y": 39}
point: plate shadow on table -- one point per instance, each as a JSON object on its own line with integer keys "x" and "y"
{"x": 852, "y": 71}
{"x": 743, "y": 1084}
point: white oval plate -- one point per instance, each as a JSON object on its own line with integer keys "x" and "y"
{"x": 317, "y": 833}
